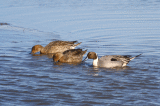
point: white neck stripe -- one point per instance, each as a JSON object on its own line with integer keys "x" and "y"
{"x": 95, "y": 62}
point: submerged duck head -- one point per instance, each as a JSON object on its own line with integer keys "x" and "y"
{"x": 57, "y": 56}
{"x": 36, "y": 48}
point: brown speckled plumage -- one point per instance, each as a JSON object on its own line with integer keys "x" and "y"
{"x": 69, "y": 56}
{"x": 54, "y": 47}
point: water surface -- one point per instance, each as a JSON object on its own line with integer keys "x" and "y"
{"x": 123, "y": 27}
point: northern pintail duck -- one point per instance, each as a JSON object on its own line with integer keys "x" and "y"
{"x": 110, "y": 61}
{"x": 69, "y": 56}
{"x": 54, "y": 47}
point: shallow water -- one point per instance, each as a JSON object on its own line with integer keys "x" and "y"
{"x": 105, "y": 27}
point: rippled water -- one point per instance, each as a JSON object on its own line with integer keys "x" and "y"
{"x": 123, "y": 27}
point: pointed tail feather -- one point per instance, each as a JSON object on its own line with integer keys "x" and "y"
{"x": 78, "y": 44}
{"x": 128, "y": 60}
{"x": 135, "y": 56}
{"x": 74, "y": 45}
{"x": 84, "y": 52}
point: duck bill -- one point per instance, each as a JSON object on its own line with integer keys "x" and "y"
{"x": 32, "y": 52}
{"x": 85, "y": 59}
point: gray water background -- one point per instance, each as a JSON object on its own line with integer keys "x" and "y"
{"x": 117, "y": 27}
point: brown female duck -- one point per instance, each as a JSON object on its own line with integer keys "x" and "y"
{"x": 54, "y": 47}
{"x": 69, "y": 56}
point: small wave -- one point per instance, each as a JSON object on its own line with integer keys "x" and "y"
{"x": 7, "y": 26}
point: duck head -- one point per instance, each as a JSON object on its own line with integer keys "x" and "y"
{"x": 91, "y": 55}
{"x": 36, "y": 48}
{"x": 57, "y": 56}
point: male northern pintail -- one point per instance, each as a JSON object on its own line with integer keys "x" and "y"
{"x": 110, "y": 61}
{"x": 69, "y": 56}
{"x": 54, "y": 47}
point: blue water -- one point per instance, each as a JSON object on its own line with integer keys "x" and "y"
{"x": 117, "y": 27}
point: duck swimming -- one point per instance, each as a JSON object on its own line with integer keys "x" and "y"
{"x": 109, "y": 61}
{"x": 69, "y": 56}
{"x": 54, "y": 47}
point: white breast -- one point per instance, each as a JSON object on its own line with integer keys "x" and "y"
{"x": 95, "y": 62}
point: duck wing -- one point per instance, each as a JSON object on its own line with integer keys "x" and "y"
{"x": 124, "y": 59}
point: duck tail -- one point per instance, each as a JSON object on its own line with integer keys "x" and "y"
{"x": 74, "y": 45}
{"x": 84, "y": 52}
{"x": 135, "y": 56}
{"x": 78, "y": 44}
